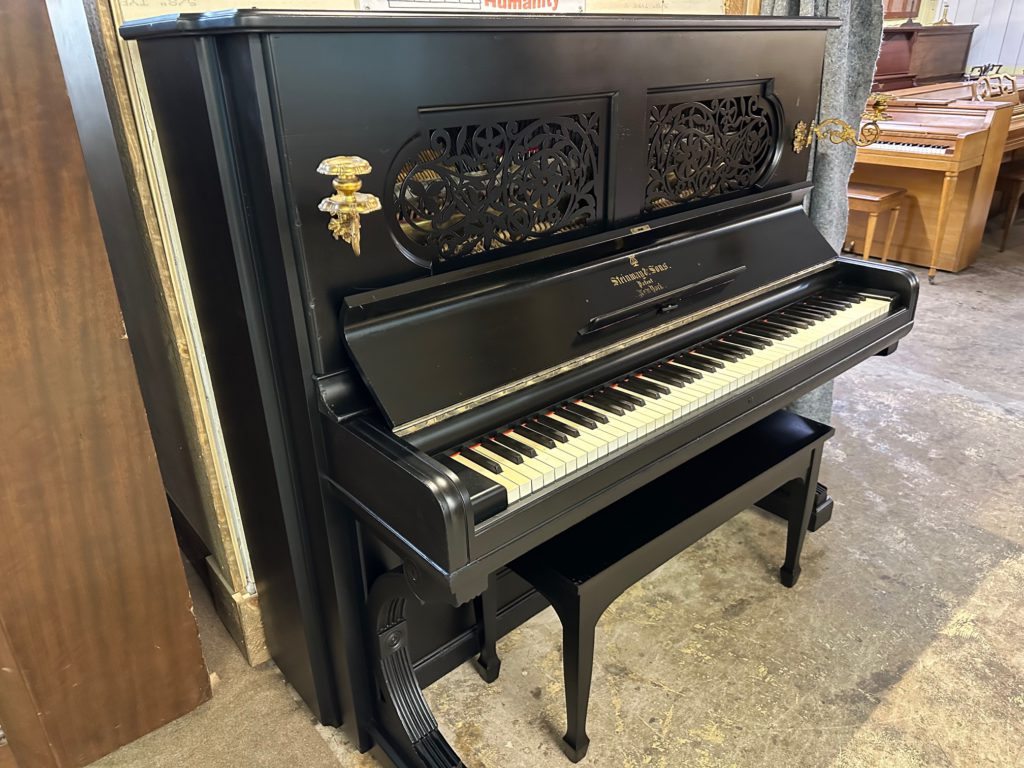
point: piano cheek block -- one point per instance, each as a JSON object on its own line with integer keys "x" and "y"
{"x": 398, "y": 492}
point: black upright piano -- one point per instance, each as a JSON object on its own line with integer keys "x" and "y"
{"x": 555, "y": 217}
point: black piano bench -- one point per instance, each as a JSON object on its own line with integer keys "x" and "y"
{"x": 583, "y": 570}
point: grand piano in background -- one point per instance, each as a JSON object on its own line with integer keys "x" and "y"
{"x": 577, "y": 212}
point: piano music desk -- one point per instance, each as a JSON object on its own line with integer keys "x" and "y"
{"x": 773, "y": 464}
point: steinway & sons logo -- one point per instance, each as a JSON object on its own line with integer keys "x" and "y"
{"x": 642, "y": 278}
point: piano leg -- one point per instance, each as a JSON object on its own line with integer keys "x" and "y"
{"x": 406, "y": 721}
{"x": 488, "y": 663}
{"x": 946, "y": 198}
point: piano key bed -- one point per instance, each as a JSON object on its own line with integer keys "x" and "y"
{"x": 517, "y": 462}
{"x": 586, "y": 568}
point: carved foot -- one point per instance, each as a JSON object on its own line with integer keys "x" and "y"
{"x": 402, "y": 711}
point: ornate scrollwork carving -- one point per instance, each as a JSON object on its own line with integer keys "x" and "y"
{"x": 703, "y": 149}
{"x": 476, "y": 188}
{"x": 841, "y": 132}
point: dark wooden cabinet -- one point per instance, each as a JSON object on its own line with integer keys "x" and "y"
{"x": 917, "y": 55}
{"x": 901, "y": 9}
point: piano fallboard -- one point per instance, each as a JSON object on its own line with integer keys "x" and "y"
{"x": 471, "y": 341}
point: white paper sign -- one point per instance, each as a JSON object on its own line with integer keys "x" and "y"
{"x": 473, "y": 6}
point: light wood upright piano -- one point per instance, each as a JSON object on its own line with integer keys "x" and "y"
{"x": 994, "y": 88}
{"x": 944, "y": 145}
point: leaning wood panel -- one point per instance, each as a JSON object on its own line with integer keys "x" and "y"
{"x": 94, "y": 602}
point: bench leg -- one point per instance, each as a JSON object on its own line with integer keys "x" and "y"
{"x": 488, "y": 663}
{"x": 578, "y": 631}
{"x": 799, "y": 518}
{"x": 869, "y": 234}
{"x": 1012, "y": 195}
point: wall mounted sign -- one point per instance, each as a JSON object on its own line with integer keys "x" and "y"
{"x": 482, "y": 6}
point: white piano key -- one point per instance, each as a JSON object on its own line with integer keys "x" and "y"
{"x": 620, "y": 431}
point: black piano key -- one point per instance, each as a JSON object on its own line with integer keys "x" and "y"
{"x": 665, "y": 377}
{"x": 627, "y": 400}
{"x": 807, "y": 314}
{"x": 751, "y": 342}
{"x": 718, "y": 354}
{"x": 558, "y": 426}
{"x": 805, "y": 310}
{"x": 817, "y": 306}
{"x": 794, "y": 324}
{"x": 729, "y": 346}
{"x": 535, "y": 435}
{"x": 764, "y": 332}
{"x": 689, "y": 370}
{"x": 834, "y": 303}
{"x": 497, "y": 448}
{"x": 547, "y": 431}
{"x": 701, "y": 363}
{"x": 640, "y": 387}
{"x": 487, "y": 498}
{"x": 489, "y": 464}
{"x": 589, "y": 413}
{"x": 845, "y": 295}
{"x": 686, "y": 377}
{"x": 606, "y": 404}
{"x": 571, "y": 414}
{"x": 515, "y": 445}
{"x": 661, "y": 389}
{"x": 787, "y": 318}
{"x": 771, "y": 325}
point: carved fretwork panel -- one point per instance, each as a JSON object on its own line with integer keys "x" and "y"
{"x": 463, "y": 190}
{"x": 706, "y": 142}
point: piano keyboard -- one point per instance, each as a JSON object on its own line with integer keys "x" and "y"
{"x": 918, "y": 149}
{"x": 529, "y": 455}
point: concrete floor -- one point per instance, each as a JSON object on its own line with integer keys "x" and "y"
{"x": 902, "y": 646}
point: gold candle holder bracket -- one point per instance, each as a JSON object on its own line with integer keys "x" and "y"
{"x": 841, "y": 132}
{"x": 347, "y": 203}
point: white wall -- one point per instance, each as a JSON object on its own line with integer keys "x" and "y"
{"x": 1000, "y": 33}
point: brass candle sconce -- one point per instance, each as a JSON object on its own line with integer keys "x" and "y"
{"x": 840, "y": 132}
{"x": 347, "y": 203}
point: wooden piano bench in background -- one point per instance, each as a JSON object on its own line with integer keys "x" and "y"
{"x": 773, "y": 464}
{"x": 1011, "y": 184}
{"x": 874, "y": 199}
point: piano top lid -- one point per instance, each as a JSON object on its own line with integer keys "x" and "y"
{"x": 254, "y": 20}
{"x": 429, "y": 350}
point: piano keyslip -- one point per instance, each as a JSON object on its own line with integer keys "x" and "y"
{"x": 592, "y": 426}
